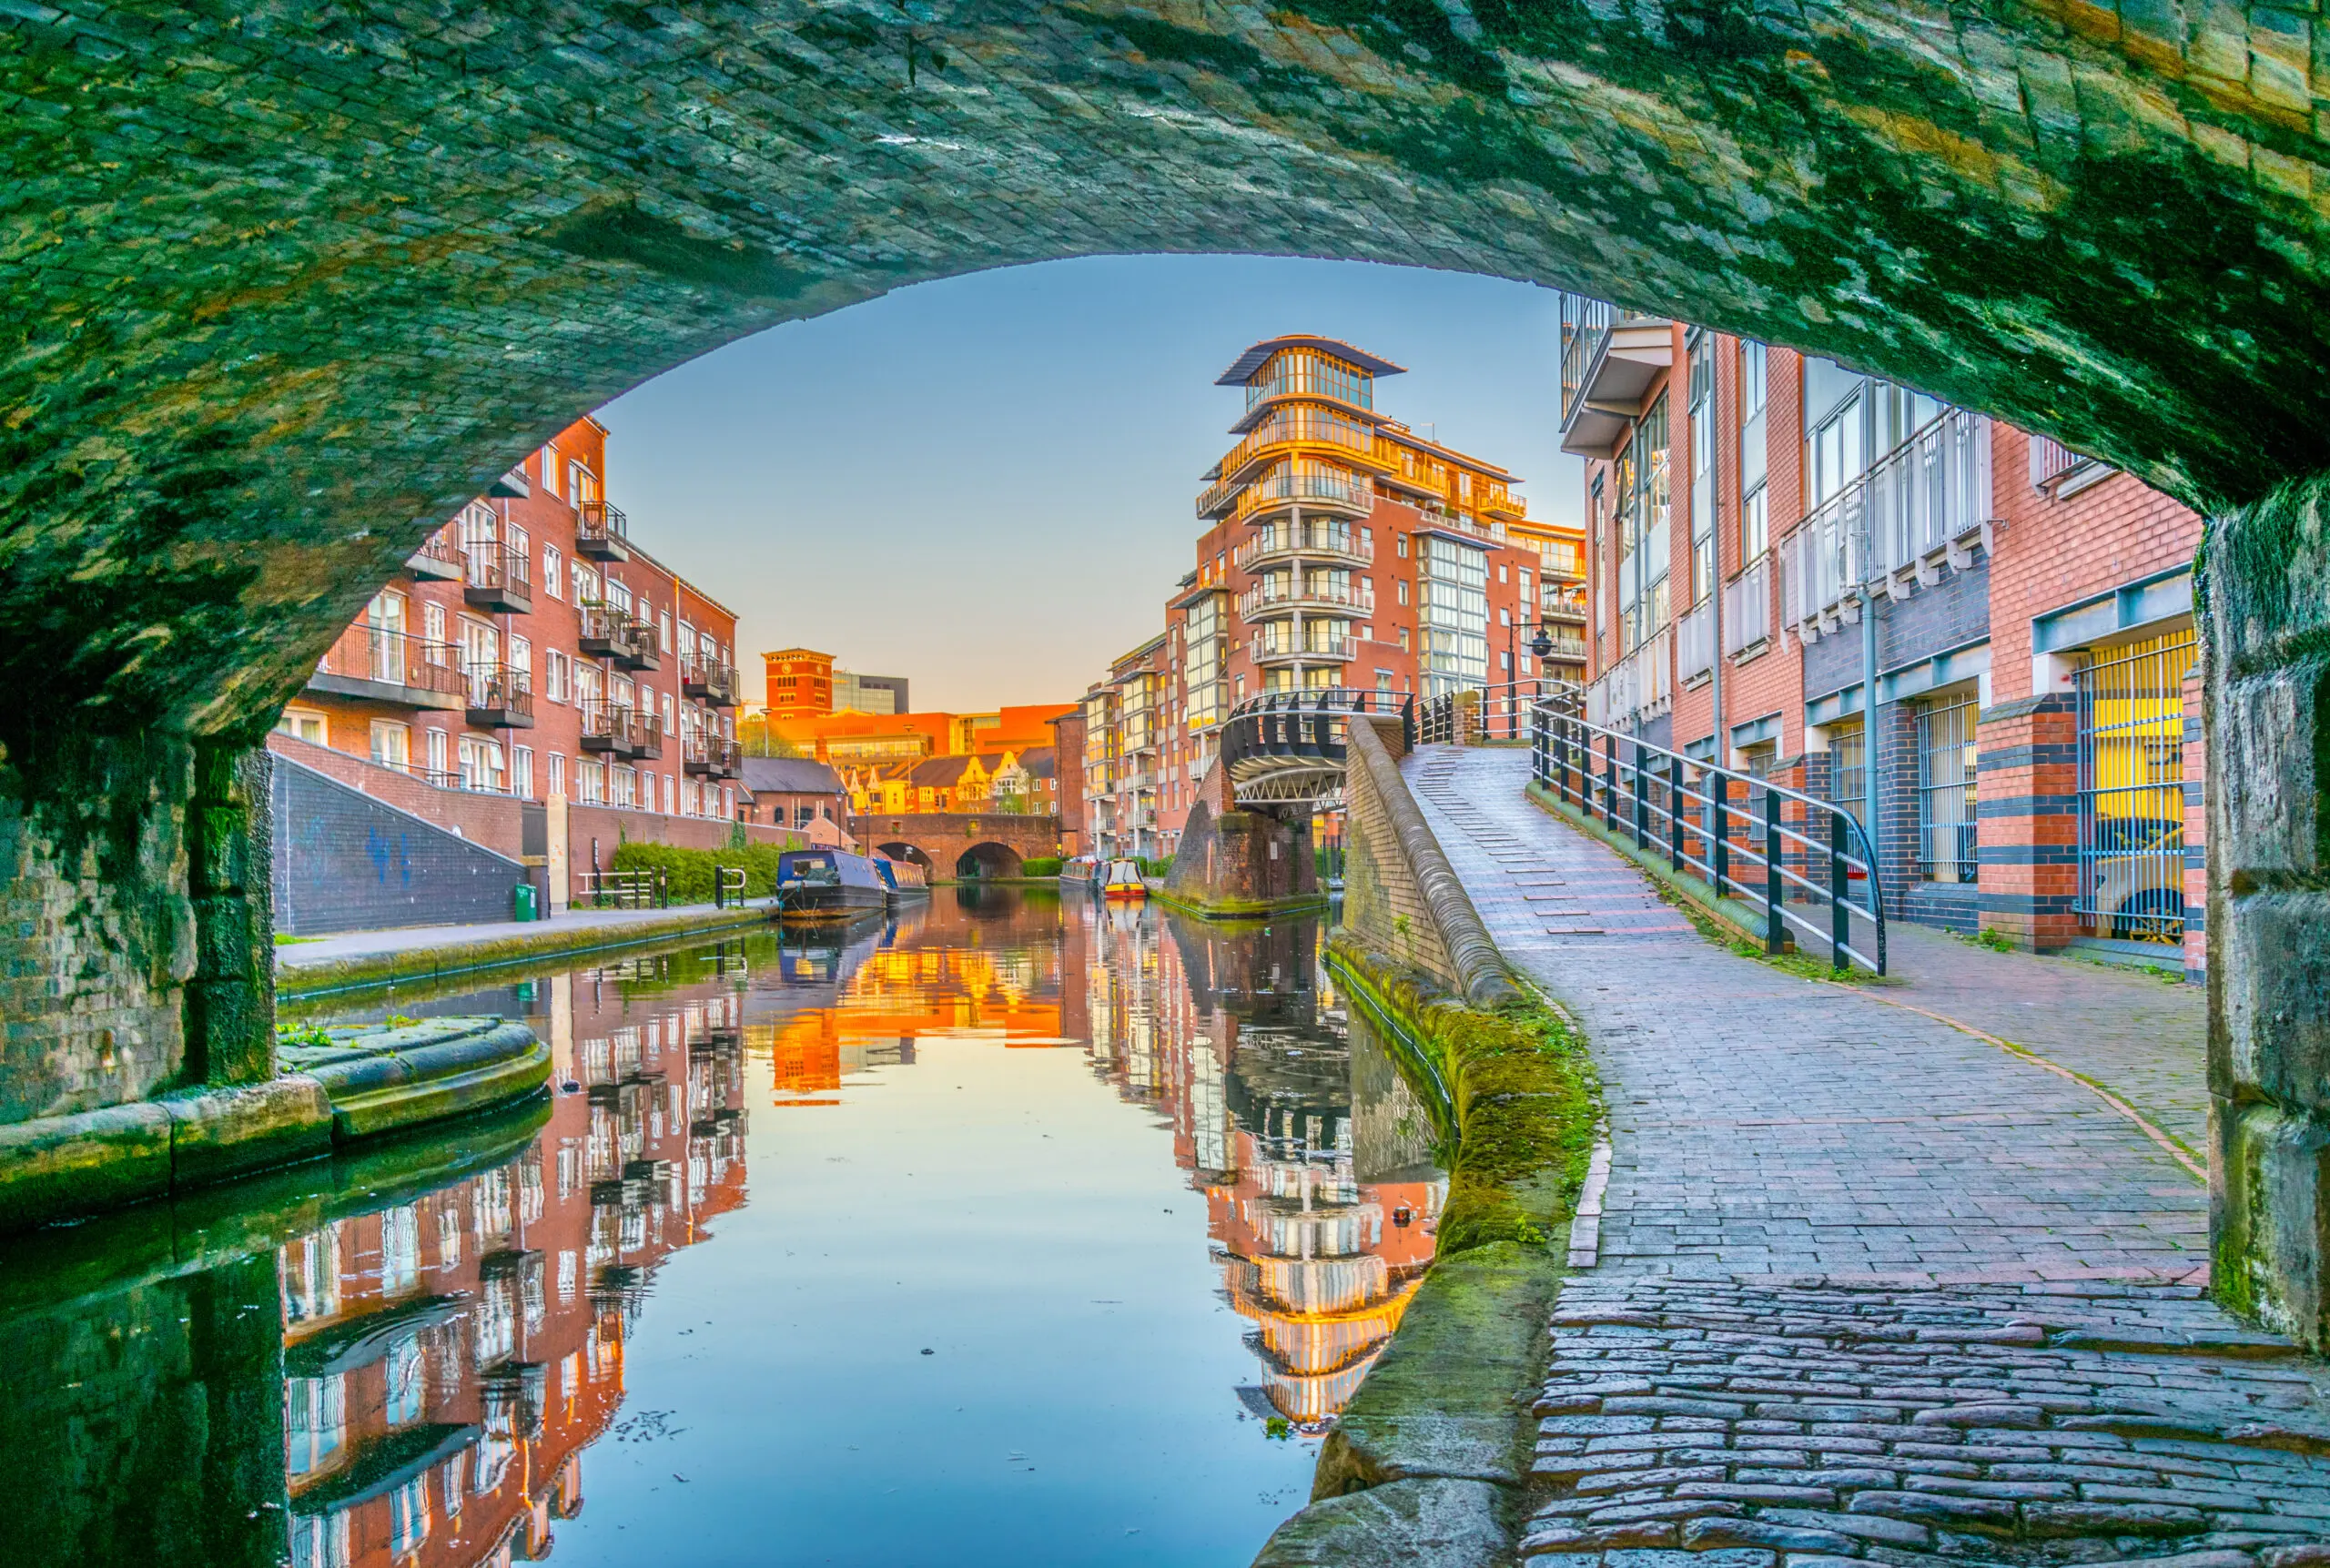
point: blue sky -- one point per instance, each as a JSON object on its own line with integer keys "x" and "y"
{"x": 984, "y": 484}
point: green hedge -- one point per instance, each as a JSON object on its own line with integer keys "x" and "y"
{"x": 1040, "y": 866}
{"x": 690, "y": 871}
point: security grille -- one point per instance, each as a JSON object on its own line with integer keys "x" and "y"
{"x": 2131, "y": 790}
{"x": 1946, "y": 817}
{"x": 1849, "y": 768}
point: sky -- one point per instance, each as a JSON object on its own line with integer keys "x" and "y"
{"x": 985, "y": 484}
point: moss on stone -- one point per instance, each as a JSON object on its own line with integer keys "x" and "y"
{"x": 473, "y": 960}
{"x": 1512, "y": 1093}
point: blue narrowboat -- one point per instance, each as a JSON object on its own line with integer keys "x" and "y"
{"x": 829, "y": 885}
{"x": 903, "y": 879}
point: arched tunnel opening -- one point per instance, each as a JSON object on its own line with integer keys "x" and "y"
{"x": 987, "y": 861}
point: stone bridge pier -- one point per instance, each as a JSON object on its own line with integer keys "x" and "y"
{"x": 1244, "y": 860}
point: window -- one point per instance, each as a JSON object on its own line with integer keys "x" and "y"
{"x": 391, "y": 743}
{"x": 438, "y": 766}
{"x": 553, "y": 572}
{"x": 671, "y": 791}
{"x": 663, "y": 632}
{"x": 522, "y": 771}
{"x": 522, "y": 659}
{"x": 1946, "y": 790}
{"x": 432, "y": 622}
{"x": 804, "y": 814}
{"x": 556, "y": 684}
{"x": 1400, "y": 542}
{"x": 550, "y": 469}
{"x": 557, "y": 772}
{"x": 1403, "y": 590}
{"x": 301, "y": 724}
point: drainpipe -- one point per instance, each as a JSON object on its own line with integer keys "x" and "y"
{"x": 1721, "y": 757}
{"x": 1869, "y": 726}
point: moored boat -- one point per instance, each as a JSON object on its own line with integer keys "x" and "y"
{"x": 903, "y": 879}
{"x": 1080, "y": 870}
{"x": 1124, "y": 881}
{"x": 829, "y": 885}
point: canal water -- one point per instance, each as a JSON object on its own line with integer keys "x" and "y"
{"x": 1012, "y": 1230}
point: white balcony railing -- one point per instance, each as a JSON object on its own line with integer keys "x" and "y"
{"x": 1916, "y": 504}
{"x": 1639, "y": 686}
{"x": 1748, "y": 607}
{"x": 1695, "y": 642}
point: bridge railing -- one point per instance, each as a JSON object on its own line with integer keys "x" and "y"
{"x": 1307, "y": 726}
{"x": 1807, "y": 862}
{"x": 1501, "y": 711}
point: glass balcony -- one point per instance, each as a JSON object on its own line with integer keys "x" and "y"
{"x": 1314, "y": 649}
{"x": 1335, "y": 541}
{"x": 1609, "y": 358}
{"x": 1304, "y": 484}
{"x": 1274, "y": 597}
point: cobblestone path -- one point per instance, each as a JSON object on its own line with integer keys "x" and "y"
{"x": 1870, "y": 1288}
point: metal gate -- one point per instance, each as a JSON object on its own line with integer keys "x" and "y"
{"x": 2131, "y": 790}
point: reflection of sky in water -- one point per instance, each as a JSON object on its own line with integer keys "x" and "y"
{"x": 1106, "y": 1174}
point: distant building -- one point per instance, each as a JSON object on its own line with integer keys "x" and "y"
{"x": 800, "y": 683}
{"x": 856, "y": 693}
{"x": 792, "y": 792}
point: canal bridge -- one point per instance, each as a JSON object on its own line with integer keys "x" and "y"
{"x": 286, "y": 288}
{"x": 949, "y": 844}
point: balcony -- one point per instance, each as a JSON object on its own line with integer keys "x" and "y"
{"x": 1332, "y": 542}
{"x": 1290, "y": 429}
{"x": 601, "y": 531}
{"x": 438, "y": 560}
{"x": 1747, "y": 608}
{"x": 380, "y": 665}
{"x": 709, "y": 757}
{"x": 1312, "y": 485}
{"x": 708, "y": 681}
{"x": 608, "y": 633}
{"x": 1567, "y": 606}
{"x": 1640, "y": 686}
{"x": 621, "y": 730}
{"x": 501, "y": 697}
{"x": 1273, "y": 598}
{"x": 1333, "y": 649}
{"x": 1695, "y": 642}
{"x": 1609, "y": 359}
{"x": 498, "y": 579}
{"x": 1922, "y": 505}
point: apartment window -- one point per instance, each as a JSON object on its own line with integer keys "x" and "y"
{"x": 432, "y": 622}
{"x": 522, "y": 771}
{"x": 550, "y": 469}
{"x": 553, "y": 572}
{"x": 671, "y": 792}
{"x": 438, "y": 761}
{"x": 1500, "y": 572}
{"x": 1946, "y": 790}
{"x": 663, "y": 632}
{"x": 522, "y": 659}
{"x": 590, "y": 781}
{"x": 557, "y": 779}
{"x": 301, "y": 724}
{"x": 1403, "y": 590}
{"x": 555, "y": 683}
{"x": 1383, "y": 680}
{"x": 1400, "y": 542}
{"x": 1404, "y": 639}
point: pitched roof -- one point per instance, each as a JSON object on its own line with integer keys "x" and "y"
{"x": 1040, "y": 761}
{"x": 938, "y": 773}
{"x": 789, "y": 775}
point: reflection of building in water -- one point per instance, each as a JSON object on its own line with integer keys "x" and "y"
{"x": 448, "y": 1359}
{"x": 1322, "y": 1222}
{"x": 818, "y": 1029}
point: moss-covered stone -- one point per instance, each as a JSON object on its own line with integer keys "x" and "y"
{"x": 1403, "y": 1525}
{"x": 1514, "y": 1092}
{"x": 1450, "y": 1397}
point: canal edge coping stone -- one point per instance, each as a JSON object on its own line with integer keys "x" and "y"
{"x": 294, "y": 979}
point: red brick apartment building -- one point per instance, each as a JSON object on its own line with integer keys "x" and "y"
{"x": 1340, "y": 548}
{"x": 533, "y": 658}
{"x": 1773, "y": 535}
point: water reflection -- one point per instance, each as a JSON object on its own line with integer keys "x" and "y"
{"x": 401, "y": 1359}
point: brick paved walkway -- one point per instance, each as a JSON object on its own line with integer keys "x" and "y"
{"x": 1870, "y": 1288}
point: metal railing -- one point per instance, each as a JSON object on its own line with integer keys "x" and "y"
{"x": 709, "y": 754}
{"x": 1321, "y": 427}
{"x": 498, "y": 567}
{"x": 621, "y": 728}
{"x": 617, "y": 634}
{"x": 727, "y": 885}
{"x": 1498, "y": 712}
{"x": 439, "y": 557}
{"x": 1313, "y": 650}
{"x": 600, "y": 529}
{"x": 1748, "y": 606}
{"x": 708, "y": 679}
{"x": 2131, "y": 790}
{"x": 1305, "y": 484}
{"x": 1276, "y": 539}
{"x": 1695, "y": 642}
{"x": 1809, "y": 863}
{"x": 1306, "y": 727}
{"x": 502, "y": 688}
{"x": 365, "y": 653}
{"x": 1268, "y": 597}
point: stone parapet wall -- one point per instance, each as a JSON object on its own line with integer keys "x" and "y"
{"x": 1399, "y": 892}
{"x": 347, "y": 861}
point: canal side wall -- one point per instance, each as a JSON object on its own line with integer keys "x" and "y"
{"x": 347, "y": 861}
{"x": 1430, "y": 1461}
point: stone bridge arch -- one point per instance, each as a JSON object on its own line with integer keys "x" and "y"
{"x": 941, "y": 841}
{"x": 285, "y": 288}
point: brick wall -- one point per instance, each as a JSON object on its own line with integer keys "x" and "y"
{"x": 347, "y": 861}
{"x": 1382, "y": 900}
{"x": 2027, "y": 801}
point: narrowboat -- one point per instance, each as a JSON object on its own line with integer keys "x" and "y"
{"x": 1124, "y": 881}
{"x": 1080, "y": 870}
{"x": 829, "y": 885}
{"x": 904, "y": 880}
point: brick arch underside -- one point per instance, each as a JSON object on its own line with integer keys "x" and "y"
{"x": 286, "y": 288}
{"x": 988, "y": 858}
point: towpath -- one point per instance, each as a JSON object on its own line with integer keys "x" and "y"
{"x": 1873, "y": 1285}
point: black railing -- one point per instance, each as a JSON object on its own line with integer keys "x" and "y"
{"x": 1306, "y": 726}
{"x": 1498, "y": 713}
{"x": 1807, "y": 862}
{"x": 727, "y": 886}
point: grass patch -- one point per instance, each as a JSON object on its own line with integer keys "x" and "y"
{"x": 285, "y": 939}
{"x": 1513, "y": 1094}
